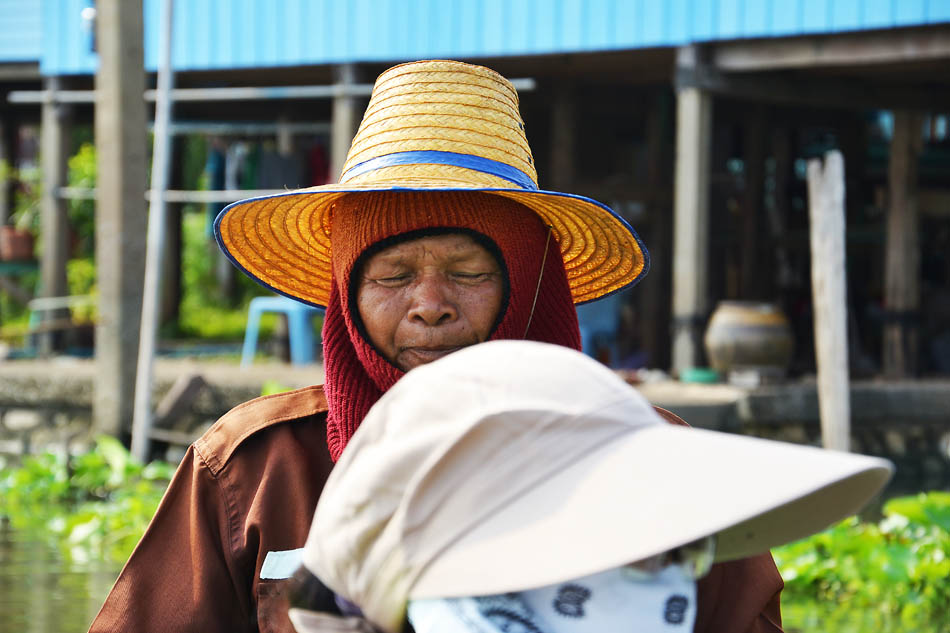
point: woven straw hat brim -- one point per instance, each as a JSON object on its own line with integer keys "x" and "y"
{"x": 283, "y": 240}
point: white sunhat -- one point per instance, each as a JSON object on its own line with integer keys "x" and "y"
{"x": 512, "y": 465}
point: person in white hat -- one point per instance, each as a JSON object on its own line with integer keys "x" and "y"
{"x": 436, "y": 237}
{"x": 521, "y": 486}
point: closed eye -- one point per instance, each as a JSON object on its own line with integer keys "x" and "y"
{"x": 473, "y": 277}
{"x": 393, "y": 281}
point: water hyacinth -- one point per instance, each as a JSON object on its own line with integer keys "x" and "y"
{"x": 95, "y": 505}
{"x": 892, "y": 575}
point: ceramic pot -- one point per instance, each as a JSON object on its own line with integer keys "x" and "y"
{"x": 15, "y": 244}
{"x": 748, "y": 335}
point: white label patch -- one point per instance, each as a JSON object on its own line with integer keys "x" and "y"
{"x": 281, "y": 565}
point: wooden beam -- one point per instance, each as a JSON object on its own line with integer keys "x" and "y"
{"x": 890, "y": 46}
{"x": 902, "y": 251}
{"x": 797, "y": 89}
{"x": 20, "y": 71}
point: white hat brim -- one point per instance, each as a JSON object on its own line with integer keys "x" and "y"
{"x": 580, "y": 522}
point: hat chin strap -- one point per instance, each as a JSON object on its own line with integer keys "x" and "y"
{"x": 537, "y": 290}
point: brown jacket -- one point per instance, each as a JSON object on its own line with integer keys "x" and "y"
{"x": 249, "y": 486}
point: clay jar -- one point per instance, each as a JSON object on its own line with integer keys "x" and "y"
{"x": 748, "y": 336}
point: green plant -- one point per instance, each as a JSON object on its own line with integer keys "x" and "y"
{"x": 81, "y": 280}
{"x": 95, "y": 505}
{"x": 895, "y": 571}
{"x": 204, "y": 313}
{"x": 82, "y": 213}
{"x": 26, "y": 198}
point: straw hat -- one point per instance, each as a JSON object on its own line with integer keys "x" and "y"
{"x": 430, "y": 126}
{"x": 537, "y": 465}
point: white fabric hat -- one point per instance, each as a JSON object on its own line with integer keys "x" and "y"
{"x": 512, "y": 465}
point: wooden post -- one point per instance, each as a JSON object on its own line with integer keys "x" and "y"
{"x": 7, "y": 157}
{"x": 902, "y": 258}
{"x": 829, "y": 292}
{"x": 171, "y": 264}
{"x": 690, "y": 217}
{"x": 754, "y": 140}
{"x": 563, "y": 137}
{"x": 346, "y": 116}
{"x": 653, "y": 316}
{"x": 120, "y": 211}
{"x": 54, "y": 143}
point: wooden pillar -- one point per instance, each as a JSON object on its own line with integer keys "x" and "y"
{"x": 54, "y": 224}
{"x": 826, "y": 223}
{"x": 750, "y": 276}
{"x": 7, "y": 158}
{"x": 171, "y": 260}
{"x": 777, "y": 206}
{"x": 654, "y": 314}
{"x": 902, "y": 257}
{"x": 121, "y": 211}
{"x": 346, "y": 117}
{"x": 690, "y": 217}
{"x": 563, "y": 138}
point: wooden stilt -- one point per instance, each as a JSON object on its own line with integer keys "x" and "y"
{"x": 346, "y": 117}
{"x": 120, "y": 209}
{"x": 691, "y": 218}
{"x": 54, "y": 140}
{"x": 827, "y": 231}
{"x": 563, "y": 138}
{"x": 902, "y": 258}
{"x": 750, "y": 281}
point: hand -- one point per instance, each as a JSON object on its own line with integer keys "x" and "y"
{"x": 306, "y": 621}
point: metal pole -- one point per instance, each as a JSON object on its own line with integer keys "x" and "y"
{"x": 155, "y": 245}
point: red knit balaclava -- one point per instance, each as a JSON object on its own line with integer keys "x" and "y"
{"x": 356, "y": 375}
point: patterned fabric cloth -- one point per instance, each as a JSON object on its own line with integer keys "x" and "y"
{"x": 613, "y": 600}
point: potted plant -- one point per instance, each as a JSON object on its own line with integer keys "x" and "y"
{"x": 18, "y": 238}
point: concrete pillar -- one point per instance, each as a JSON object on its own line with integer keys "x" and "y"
{"x": 54, "y": 225}
{"x": 690, "y": 219}
{"x": 902, "y": 256}
{"x": 121, "y": 217}
{"x": 346, "y": 117}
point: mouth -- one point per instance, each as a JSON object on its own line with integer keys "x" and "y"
{"x": 411, "y": 357}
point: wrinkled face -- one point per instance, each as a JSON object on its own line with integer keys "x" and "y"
{"x": 425, "y": 298}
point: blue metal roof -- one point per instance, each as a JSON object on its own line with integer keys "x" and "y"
{"x": 21, "y": 31}
{"x": 219, "y": 34}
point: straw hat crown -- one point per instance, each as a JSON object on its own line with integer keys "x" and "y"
{"x": 422, "y": 109}
{"x": 430, "y": 126}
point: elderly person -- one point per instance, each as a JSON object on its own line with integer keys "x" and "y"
{"x": 436, "y": 238}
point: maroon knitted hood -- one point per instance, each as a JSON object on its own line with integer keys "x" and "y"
{"x": 356, "y": 375}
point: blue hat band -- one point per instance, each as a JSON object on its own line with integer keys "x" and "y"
{"x": 468, "y": 161}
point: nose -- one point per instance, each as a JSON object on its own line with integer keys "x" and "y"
{"x": 432, "y": 302}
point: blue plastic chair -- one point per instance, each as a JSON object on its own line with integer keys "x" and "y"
{"x": 600, "y": 326}
{"x": 299, "y": 326}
